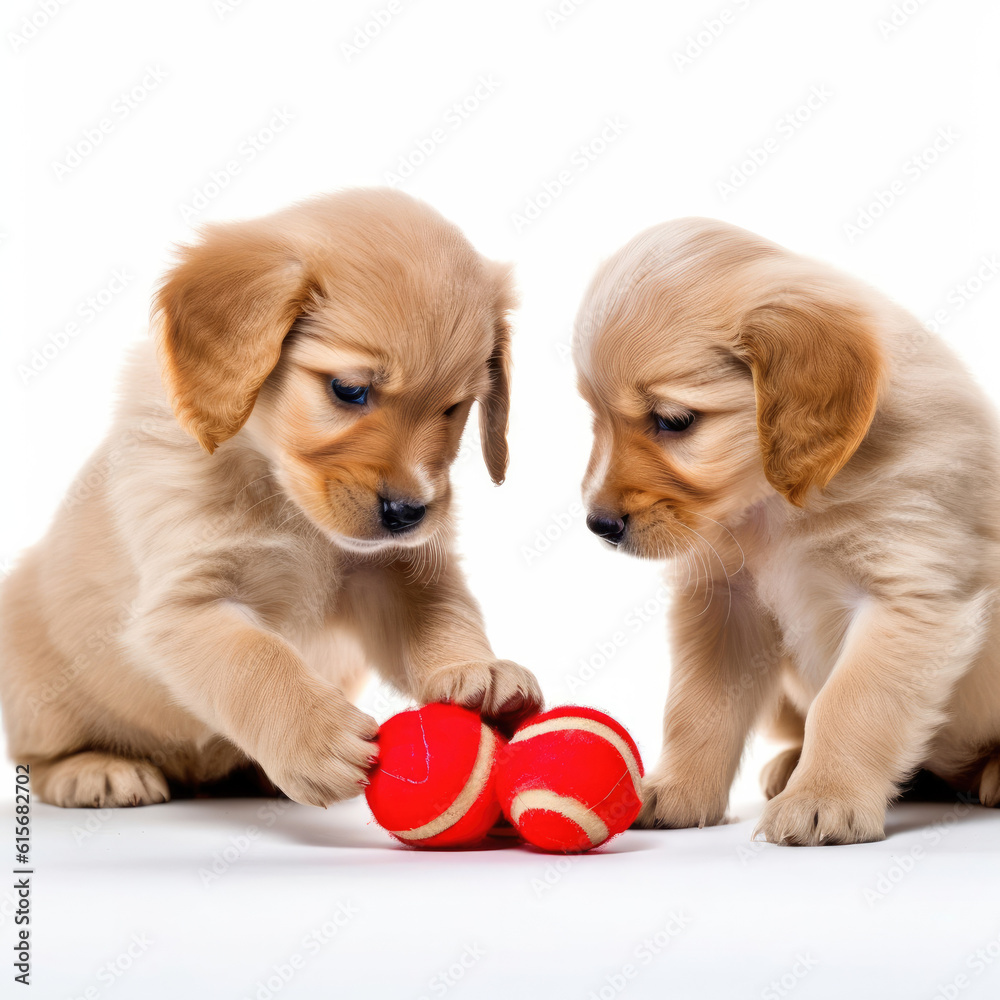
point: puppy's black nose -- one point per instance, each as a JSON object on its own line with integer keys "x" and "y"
{"x": 399, "y": 515}
{"x": 611, "y": 529}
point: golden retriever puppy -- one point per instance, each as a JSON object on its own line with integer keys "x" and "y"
{"x": 821, "y": 473}
{"x": 270, "y": 517}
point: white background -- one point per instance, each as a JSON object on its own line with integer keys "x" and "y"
{"x": 696, "y": 92}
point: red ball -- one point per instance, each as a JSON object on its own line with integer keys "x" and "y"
{"x": 435, "y": 783}
{"x": 569, "y": 779}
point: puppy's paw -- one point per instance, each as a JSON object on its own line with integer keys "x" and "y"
{"x": 324, "y": 756}
{"x": 989, "y": 782}
{"x": 811, "y": 816}
{"x": 499, "y": 689}
{"x": 776, "y": 772}
{"x": 101, "y": 780}
{"x": 667, "y": 805}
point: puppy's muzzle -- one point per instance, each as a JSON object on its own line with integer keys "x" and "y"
{"x": 401, "y": 515}
{"x": 611, "y": 529}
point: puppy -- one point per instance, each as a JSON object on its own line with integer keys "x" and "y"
{"x": 821, "y": 472}
{"x": 214, "y": 585}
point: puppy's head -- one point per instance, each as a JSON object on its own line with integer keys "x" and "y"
{"x": 348, "y": 338}
{"x": 721, "y": 369}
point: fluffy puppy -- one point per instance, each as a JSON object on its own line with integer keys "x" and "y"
{"x": 821, "y": 472}
{"x": 214, "y": 585}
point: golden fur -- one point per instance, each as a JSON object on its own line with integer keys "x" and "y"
{"x": 831, "y": 519}
{"x": 196, "y": 608}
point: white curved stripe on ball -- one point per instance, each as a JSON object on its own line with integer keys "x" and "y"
{"x": 572, "y": 809}
{"x": 592, "y": 726}
{"x": 472, "y": 790}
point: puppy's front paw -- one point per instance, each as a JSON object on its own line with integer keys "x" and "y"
{"x": 100, "y": 780}
{"x": 667, "y": 805}
{"x": 325, "y": 755}
{"x": 811, "y": 816}
{"x": 499, "y": 689}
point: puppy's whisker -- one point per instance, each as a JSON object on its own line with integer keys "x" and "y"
{"x": 693, "y": 561}
{"x": 709, "y": 579}
{"x": 280, "y": 493}
{"x": 259, "y": 479}
{"x": 291, "y": 517}
{"x": 712, "y": 577}
{"x": 699, "y": 561}
{"x": 686, "y": 563}
{"x": 722, "y": 564}
{"x": 686, "y": 559}
{"x": 743, "y": 557}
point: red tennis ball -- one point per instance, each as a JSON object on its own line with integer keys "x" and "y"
{"x": 569, "y": 779}
{"x": 434, "y": 785}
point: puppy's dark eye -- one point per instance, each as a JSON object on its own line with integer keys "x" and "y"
{"x": 674, "y": 424}
{"x": 349, "y": 393}
{"x": 452, "y": 409}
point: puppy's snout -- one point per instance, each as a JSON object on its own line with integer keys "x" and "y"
{"x": 401, "y": 515}
{"x": 611, "y": 529}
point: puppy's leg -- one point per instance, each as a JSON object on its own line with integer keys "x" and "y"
{"x": 724, "y": 670}
{"x": 872, "y": 720}
{"x": 424, "y": 632}
{"x": 251, "y": 686}
{"x": 989, "y": 780}
{"x": 98, "y": 779}
{"x": 776, "y": 772}
{"x": 788, "y": 724}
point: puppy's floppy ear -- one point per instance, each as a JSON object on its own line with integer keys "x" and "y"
{"x": 494, "y": 406}
{"x": 817, "y": 367}
{"x": 221, "y": 316}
